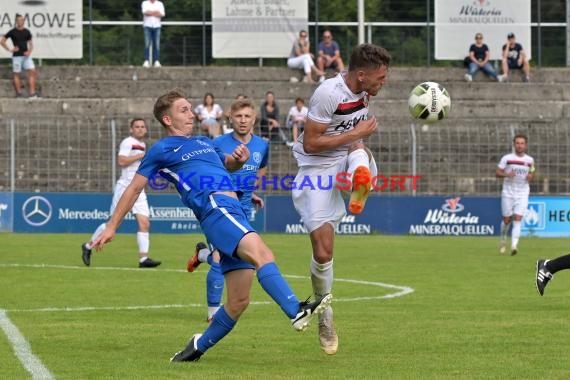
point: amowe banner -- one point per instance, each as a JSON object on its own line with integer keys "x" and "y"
{"x": 457, "y": 22}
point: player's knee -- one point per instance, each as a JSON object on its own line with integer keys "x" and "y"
{"x": 236, "y": 306}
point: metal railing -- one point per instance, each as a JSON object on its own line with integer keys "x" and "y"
{"x": 78, "y": 154}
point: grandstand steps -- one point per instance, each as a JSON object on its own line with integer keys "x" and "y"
{"x": 65, "y": 135}
{"x": 225, "y": 91}
{"x": 382, "y": 108}
{"x": 253, "y": 74}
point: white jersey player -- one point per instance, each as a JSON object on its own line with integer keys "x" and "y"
{"x": 517, "y": 170}
{"x": 331, "y": 143}
{"x": 131, "y": 151}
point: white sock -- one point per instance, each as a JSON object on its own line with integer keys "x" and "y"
{"x": 322, "y": 280}
{"x": 212, "y": 310}
{"x": 373, "y": 166}
{"x": 516, "y": 233}
{"x": 203, "y": 255}
{"x": 504, "y": 232}
{"x": 95, "y": 235}
{"x": 357, "y": 158}
{"x": 143, "y": 242}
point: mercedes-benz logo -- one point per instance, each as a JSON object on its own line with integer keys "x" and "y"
{"x": 36, "y": 211}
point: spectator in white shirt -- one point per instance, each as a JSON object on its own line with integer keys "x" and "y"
{"x": 296, "y": 119}
{"x": 153, "y": 12}
{"x": 209, "y": 114}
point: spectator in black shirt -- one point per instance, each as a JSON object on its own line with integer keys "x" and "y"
{"x": 21, "y": 56}
{"x": 514, "y": 57}
{"x": 479, "y": 60}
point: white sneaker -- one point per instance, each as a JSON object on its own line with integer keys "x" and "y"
{"x": 157, "y": 64}
{"x": 146, "y": 64}
{"x": 328, "y": 337}
{"x": 468, "y": 78}
{"x": 293, "y": 80}
{"x": 290, "y": 143}
{"x": 501, "y": 78}
{"x": 321, "y": 79}
{"x": 502, "y": 247}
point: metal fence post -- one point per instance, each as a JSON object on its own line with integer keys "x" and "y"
{"x": 113, "y": 156}
{"x": 414, "y": 154}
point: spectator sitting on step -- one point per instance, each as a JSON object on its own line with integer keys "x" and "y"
{"x": 209, "y": 114}
{"x": 269, "y": 124}
{"x": 296, "y": 119}
{"x": 514, "y": 57}
{"x": 329, "y": 54}
{"x": 301, "y": 57}
{"x": 479, "y": 56}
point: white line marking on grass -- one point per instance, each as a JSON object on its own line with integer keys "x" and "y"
{"x": 401, "y": 290}
{"x": 22, "y": 348}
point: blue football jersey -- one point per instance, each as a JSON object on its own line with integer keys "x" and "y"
{"x": 193, "y": 165}
{"x": 245, "y": 178}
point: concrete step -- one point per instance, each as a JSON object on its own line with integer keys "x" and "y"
{"x": 277, "y": 74}
{"x": 382, "y": 108}
{"x": 225, "y": 91}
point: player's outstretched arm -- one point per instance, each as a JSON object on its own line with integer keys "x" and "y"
{"x": 126, "y": 203}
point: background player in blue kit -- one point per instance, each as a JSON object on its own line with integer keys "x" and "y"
{"x": 200, "y": 173}
{"x": 242, "y": 117}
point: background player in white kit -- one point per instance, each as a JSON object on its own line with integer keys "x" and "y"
{"x": 337, "y": 122}
{"x": 517, "y": 169}
{"x": 131, "y": 152}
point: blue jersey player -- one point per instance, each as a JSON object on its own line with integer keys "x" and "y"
{"x": 242, "y": 116}
{"x": 201, "y": 174}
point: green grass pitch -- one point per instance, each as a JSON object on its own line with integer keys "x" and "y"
{"x": 473, "y": 314}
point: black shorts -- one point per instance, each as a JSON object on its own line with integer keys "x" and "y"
{"x": 513, "y": 64}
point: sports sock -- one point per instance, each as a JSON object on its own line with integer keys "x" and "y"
{"x": 357, "y": 158}
{"x": 205, "y": 255}
{"x": 558, "y": 264}
{"x": 143, "y": 242}
{"x": 96, "y": 235}
{"x": 504, "y": 232}
{"x": 322, "y": 280}
{"x": 516, "y": 234}
{"x": 214, "y": 287}
{"x": 275, "y": 285}
{"x": 321, "y": 277}
{"x": 212, "y": 311}
{"x": 221, "y": 325}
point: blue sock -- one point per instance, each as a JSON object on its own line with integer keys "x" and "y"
{"x": 275, "y": 285}
{"x": 221, "y": 326}
{"x": 214, "y": 285}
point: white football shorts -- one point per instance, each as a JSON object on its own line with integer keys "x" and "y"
{"x": 141, "y": 205}
{"x": 514, "y": 205}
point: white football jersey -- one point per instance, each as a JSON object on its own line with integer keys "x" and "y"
{"x": 334, "y": 104}
{"x": 516, "y": 186}
{"x": 130, "y": 147}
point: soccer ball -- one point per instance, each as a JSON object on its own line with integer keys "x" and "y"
{"x": 429, "y": 102}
